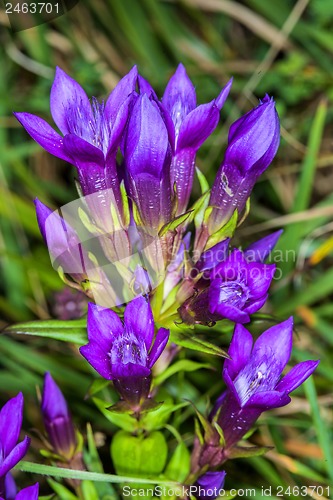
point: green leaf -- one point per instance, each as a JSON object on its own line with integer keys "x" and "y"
{"x": 61, "y": 490}
{"x": 185, "y": 365}
{"x": 190, "y": 342}
{"x": 180, "y": 464}
{"x": 81, "y": 475}
{"x": 73, "y": 331}
{"x": 248, "y": 451}
{"x": 89, "y": 491}
{"x": 94, "y": 464}
{"x": 139, "y": 455}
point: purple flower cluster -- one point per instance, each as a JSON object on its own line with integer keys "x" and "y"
{"x": 135, "y": 156}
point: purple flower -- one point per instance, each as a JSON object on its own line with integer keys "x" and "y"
{"x": 125, "y": 352}
{"x": 253, "y": 378}
{"x": 209, "y": 485}
{"x": 11, "y": 453}
{"x": 192, "y": 125}
{"x": 147, "y": 154}
{"x": 57, "y": 420}
{"x": 252, "y": 144}
{"x": 91, "y": 130}
{"x": 235, "y": 289}
{"x": 62, "y": 242}
{"x": 29, "y": 493}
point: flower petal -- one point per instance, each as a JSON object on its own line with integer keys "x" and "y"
{"x": 296, "y": 376}
{"x": 104, "y": 326}
{"x": 120, "y": 93}
{"x": 259, "y": 277}
{"x": 138, "y": 319}
{"x": 43, "y": 134}
{"x": 198, "y": 125}
{"x": 160, "y": 342}
{"x": 239, "y": 351}
{"x": 146, "y": 144}
{"x": 53, "y": 402}
{"x": 29, "y": 493}
{"x": 260, "y": 250}
{"x": 10, "y": 487}
{"x": 16, "y": 454}
{"x": 179, "y": 96}
{"x": 98, "y": 358}
{"x": 277, "y": 340}
{"x": 11, "y": 416}
{"x": 231, "y": 312}
{"x": 268, "y": 400}
{"x": 67, "y": 96}
{"x": 222, "y": 97}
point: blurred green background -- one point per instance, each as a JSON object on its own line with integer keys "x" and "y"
{"x": 281, "y": 47}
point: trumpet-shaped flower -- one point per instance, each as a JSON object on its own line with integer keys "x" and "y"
{"x": 125, "y": 352}
{"x": 11, "y": 452}
{"x": 235, "y": 289}
{"x": 253, "y": 378}
{"x": 57, "y": 419}
{"x": 252, "y": 144}
{"x": 90, "y": 132}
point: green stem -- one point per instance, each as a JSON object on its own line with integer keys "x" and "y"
{"x": 48, "y": 470}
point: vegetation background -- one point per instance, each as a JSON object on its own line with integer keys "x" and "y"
{"x": 282, "y": 47}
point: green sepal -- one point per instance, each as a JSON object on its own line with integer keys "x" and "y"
{"x": 97, "y": 386}
{"x": 88, "y": 224}
{"x": 122, "y": 420}
{"x": 199, "y": 208}
{"x": 124, "y": 407}
{"x": 226, "y": 231}
{"x": 176, "y": 222}
{"x": 202, "y": 180}
{"x": 248, "y": 451}
{"x": 124, "y": 199}
{"x": 50, "y": 455}
{"x": 74, "y": 331}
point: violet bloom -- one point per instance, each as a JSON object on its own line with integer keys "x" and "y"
{"x": 252, "y": 144}
{"x": 260, "y": 249}
{"x": 209, "y": 485}
{"x": 147, "y": 154}
{"x": 57, "y": 420}
{"x": 63, "y": 243}
{"x": 11, "y": 453}
{"x": 192, "y": 125}
{"x": 253, "y": 378}
{"x": 235, "y": 289}
{"x": 125, "y": 352}
{"x": 29, "y": 493}
{"x": 91, "y": 132}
